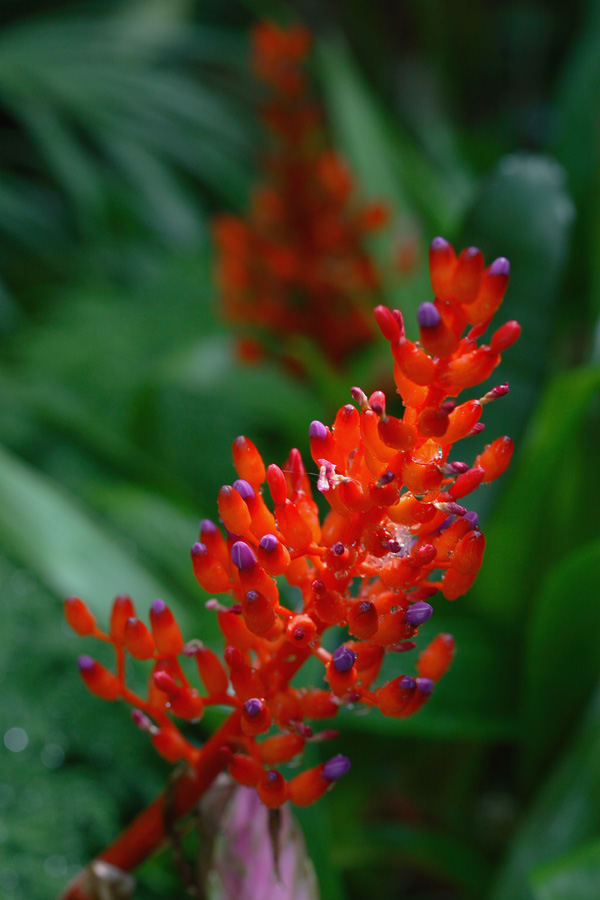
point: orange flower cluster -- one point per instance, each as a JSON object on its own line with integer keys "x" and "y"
{"x": 297, "y": 264}
{"x": 396, "y": 534}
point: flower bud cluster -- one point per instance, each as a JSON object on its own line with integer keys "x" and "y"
{"x": 297, "y": 263}
{"x": 397, "y": 533}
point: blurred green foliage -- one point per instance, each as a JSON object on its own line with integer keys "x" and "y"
{"x": 123, "y": 127}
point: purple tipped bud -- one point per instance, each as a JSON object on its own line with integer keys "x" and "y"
{"x": 393, "y": 546}
{"x": 271, "y": 776}
{"x": 244, "y": 489}
{"x": 418, "y": 613}
{"x": 428, "y": 315}
{"x": 407, "y": 683}
{"x": 425, "y": 685}
{"x": 456, "y": 509}
{"x": 207, "y": 526}
{"x": 158, "y": 607}
{"x": 252, "y": 596}
{"x": 448, "y": 406}
{"x": 439, "y": 243}
{"x": 457, "y": 468}
{"x": 199, "y": 549}
{"x": 268, "y": 542}
{"x": 470, "y": 252}
{"x": 318, "y": 588}
{"x": 86, "y": 663}
{"x": 242, "y": 556}
{"x": 476, "y": 429}
{"x": 386, "y": 478}
{"x": 343, "y": 659}
{"x": 141, "y": 720}
{"x": 317, "y": 430}
{"x": 359, "y": 396}
{"x": 500, "y": 390}
{"x": 338, "y": 548}
{"x": 500, "y": 266}
{"x": 253, "y": 706}
{"x": 472, "y": 518}
{"x": 336, "y": 767}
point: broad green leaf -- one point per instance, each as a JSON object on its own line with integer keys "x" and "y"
{"x": 562, "y": 654}
{"x": 51, "y": 534}
{"x": 575, "y": 876}
{"x": 521, "y": 538}
{"x": 565, "y": 813}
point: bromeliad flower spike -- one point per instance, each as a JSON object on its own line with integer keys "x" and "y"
{"x": 396, "y": 535}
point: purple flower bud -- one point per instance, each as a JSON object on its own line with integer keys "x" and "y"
{"x": 428, "y": 315}
{"x": 407, "y": 683}
{"x": 470, "y": 252}
{"x": 359, "y": 396}
{"x": 476, "y": 429}
{"x": 500, "y": 266}
{"x": 500, "y": 390}
{"x": 472, "y": 517}
{"x": 343, "y": 659}
{"x": 425, "y": 685}
{"x": 338, "y": 548}
{"x": 386, "y": 478}
{"x": 207, "y": 526}
{"x": 252, "y": 596}
{"x": 242, "y": 556}
{"x": 268, "y": 542}
{"x": 457, "y": 468}
{"x": 271, "y": 776}
{"x": 158, "y": 607}
{"x": 336, "y": 767}
{"x": 86, "y": 663}
{"x": 244, "y": 489}
{"x": 393, "y": 546}
{"x": 418, "y": 613}
{"x": 141, "y": 720}
{"x": 317, "y": 430}
{"x": 439, "y": 243}
{"x": 253, "y": 706}
{"x": 199, "y": 549}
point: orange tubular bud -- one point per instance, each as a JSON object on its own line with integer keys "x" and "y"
{"x": 420, "y": 479}
{"x": 466, "y": 279}
{"x": 301, "y": 630}
{"x": 248, "y": 461}
{"x": 470, "y": 369}
{"x": 210, "y": 669}
{"x": 209, "y": 573}
{"x": 258, "y": 613}
{"x": 505, "y": 337}
{"x": 256, "y": 717}
{"x": 318, "y": 704}
{"x": 277, "y": 484}
{"x": 495, "y": 458}
{"x": 388, "y": 324}
{"x": 272, "y": 789}
{"x": 410, "y": 511}
{"x": 285, "y": 708}
{"x": 122, "y": 610}
{"x": 328, "y": 604}
{"x": 442, "y": 263}
{"x": 171, "y": 745}
{"x": 346, "y": 428}
{"x": 296, "y": 531}
{"x": 165, "y": 630}
{"x": 234, "y": 510}
{"x": 414, "y": 363}
{"x": 439, "y": 339}
{"x": 272, "y": 555}
{"x": 461, "y": 421}
{"x": 306, "y": 788}
{"x": 363, "y": 619}
{"x": 245, "y": 770}
{"x": 397, "y": 433}
{"x": 281, "y": 748}
{"x": 466, "y": 483}
{"x": 341, "y": 672}
{"x": 98, "y": 679}
{"x": 434, "y": 661}
{"x": 468, "y": 554}
{"x": 455, "y": 584}
{"x": 138, "y": 640}
{"x": 235, "y": 631}
{"x": 78, "y": 616}
{"x": 394, "y": 698}
{"x": 491, "y": 293}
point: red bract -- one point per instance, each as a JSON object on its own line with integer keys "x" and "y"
{"x": 297, "y": 263}
{"x": 394, "y": 537}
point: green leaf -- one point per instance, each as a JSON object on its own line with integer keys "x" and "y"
{"x": 565, "y": 813}
{"x": 520, "y": 539}
{"x": 51, "y": 534}
{"x": 562, "y": 654}
{"x": 575, "y": 876}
